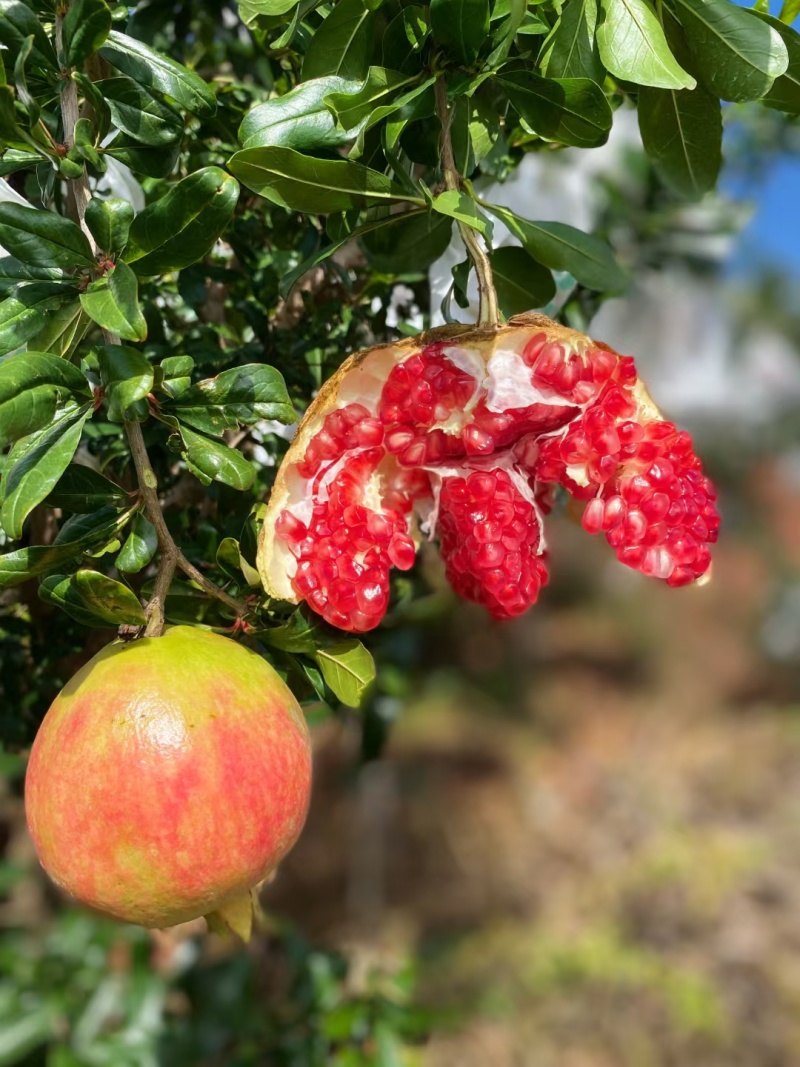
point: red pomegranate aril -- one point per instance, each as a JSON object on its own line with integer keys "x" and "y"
{"x": 658, "y": 562}
{"x": 402, "y": 553}
{"x": 289, "y": 528}
{"x": 656, "y": 507}
{"x": 398, "y": 440}
{"x": 477, "y": 442}
{"x": 593, "y": 516}
{"x": 369, "y": 433}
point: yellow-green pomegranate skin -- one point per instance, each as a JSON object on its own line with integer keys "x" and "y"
{"x": 170, "y": 775}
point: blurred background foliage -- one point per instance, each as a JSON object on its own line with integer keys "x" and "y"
{"x": 580, "y": 847}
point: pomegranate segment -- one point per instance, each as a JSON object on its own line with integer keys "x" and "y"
{"x": 461, "y": 436}
{"x": 491, "y": 538}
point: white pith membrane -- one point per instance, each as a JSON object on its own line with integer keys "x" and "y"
{"x": 453, "y": 436}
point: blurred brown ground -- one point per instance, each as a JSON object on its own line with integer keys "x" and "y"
{"x": 600, "y": 868}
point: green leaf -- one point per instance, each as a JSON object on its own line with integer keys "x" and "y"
{"x": 521, "y": 283}
{"x": 211, "y": 461}
{"x": 460, "y": 27}
{"x": 25, "y": 98}
{"x": 140, "y": 546}
{"x": 113, "y": 303}
{"x": 82, "y": 489}
{"x": 17, "y": 23}
{"x": 152, "y": 70}
{"x": 561, "y": 247}
{"x": 409, "y": 243}
{"x": 299, "y": 119}
{"x": 736, "y": 54}
{"x": 571, "y": 49}
{"x": 127, "y": 376}
{"x": 682, "y": 133}
{"x": 461, "y": 207}
{"x": 154, "y": 161}
{"x": 785, "y": 92}
{"x": 109, "y": 222}
{"x": 181, "y": 227}
{"x": 348, "y": 669}
{"x": 343, "y": 43}
{"x": 572, "y": 111}
{"x": 61, "y": 591}
{"x": 404, "y": 38}
{"x": 138, "y": 113}
{"x": 251, "y": 10}
{"x": 35, "y": 464}
{"x": 350, "y": 109}
{"x": 86, "y": 26}
{"x": 633, "y": 47}
{"x": 504, "y": 36}
{"x": 231, "y": 561}
{"x": 42, "y": 238}
{"x": 14, "y": 159}
{"x": 62, "y": 331}
{"x": 789, "y": 11}
{"x": 78, "y": 535}
{"x": 109, "y": 599}
{"x": 315, "y": 186}
{"x": 32, "y": 386}
{"x": 22, "y": 313}
{"x": 12, "y": 272}
{"x": 240, "y": 395}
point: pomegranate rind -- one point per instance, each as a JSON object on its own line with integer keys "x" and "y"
{"x": 168, "y": 778}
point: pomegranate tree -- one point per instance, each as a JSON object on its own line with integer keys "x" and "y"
{"x": 459, "y": 436}
{"x": 168, "y": 779}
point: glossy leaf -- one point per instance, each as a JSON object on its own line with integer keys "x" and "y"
{"x": 42, "y": 238}
{"x": 35, "y": 465}
{"x": 790, "y": 10}
{"x": 785, "y": 92}
{"x": 633, "y": 47}
{"x": 86, "y": 26}
{"x": 12, "y": 272}
{"x": 82, "y": 489}
{"x": 521, "y": 283}
{"x": 138, "y": 113}
{"x": 460, "y": 27}
{"x": 32, "y": 386}
{"x": 559, "y": 246}
{"x": 241, "y": 395}
{"x": 74, "y": 538}
{"x": 181, "y": 227}
{"x": 404, "y": 38}
{"x": 231, "y": 561}
{"x": 113, "y": 303}
{"x": 343, "y": 44}
{"x": 736, "y": 54}
{"x": 571, "y": 49}
{"x": 504, "y": 36}
{"x": 62, "y": 592}
{"x": 352, "y": 108}
{"x": 154, "y": 161}
{"x": 572, "y": 111}
{"x": 252, "y": 10}
{"x": 212, "y": 461}
{"x": 140, "y": 545}
{"x": 315, "y": 186}
{"x": 460, "y": 206}
{"x": 299, "y": 119}
{"x": 682, "y": 133}
{"x": 401, "y": 219}
{"x": 17, "y": 24}
{"x": 127, "y": 376}
{"x": 109, "y": 599}
{"x": 410, "y": 243}
{"x": 153, "y": 70}
{"x": 109, "y": 222}
{"x": 22, "y": 313}
{"x": 348, "y": 670}
{"x": 62, "y": 330}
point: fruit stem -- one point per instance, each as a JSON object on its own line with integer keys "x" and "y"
{"x": 78, "y": 196}
{"x": 488, "y": 311}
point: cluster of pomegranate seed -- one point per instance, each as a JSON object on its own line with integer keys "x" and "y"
{"x": 490, "y": 540}
{"x": 345, "y": 551}
{"x": 464, "y": 441}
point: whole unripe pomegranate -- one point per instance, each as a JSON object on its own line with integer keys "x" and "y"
{"x": 460, "y": 436}
{"x": 168, "y": 778}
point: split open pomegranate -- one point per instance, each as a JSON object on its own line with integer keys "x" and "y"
{"x": 457, "y": 436}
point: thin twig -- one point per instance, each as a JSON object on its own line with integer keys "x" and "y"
{"x": 171, "y": 556}
{"x": 488, "y": 311}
